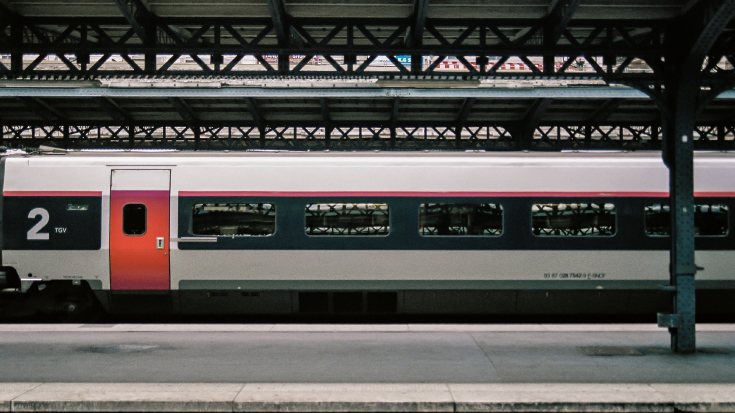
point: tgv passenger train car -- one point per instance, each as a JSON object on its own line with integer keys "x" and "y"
{"x": 357, "y": 233}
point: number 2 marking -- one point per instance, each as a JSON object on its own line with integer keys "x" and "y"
{"x": 33, "y": 233}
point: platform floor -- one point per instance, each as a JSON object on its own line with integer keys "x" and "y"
{"x": 400, "y": 367}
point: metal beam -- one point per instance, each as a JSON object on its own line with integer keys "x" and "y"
{"x": 394, "y": 112}
{"x": 254, "y": 111}
{"x": 138, "y": 16}
{"x": 396, "y": 107}
{"x": 464, "y": 113}
{"x": 527, "y": 125}
{"x": 536, "y": 111}
{"x": 416, "y": 34}
{"x": 278, "y": 16}
{"x": 114, "y": 110}
{"x": 185, "y": 111}
{"x": 257, "y": 118}
{"x": 479, "y": 37}
{"x": 714, "y": 16}
{"x": 6, "y": 10}
{"x": 240, "y": 135}
{"x": 604, "y": 111}
{"x": 326, "y": 116}
{"x": 689, "y": 5}
{"x": 529, "y": 122}
{"x": 559, "y": 15}
{"x": 44, "y": 110}
{"x": 594, "y": 92}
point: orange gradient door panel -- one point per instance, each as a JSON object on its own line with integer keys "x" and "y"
{"x": 139, "y": 230}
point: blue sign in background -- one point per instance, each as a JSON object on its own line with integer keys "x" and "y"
{"x": 405, "y": 60}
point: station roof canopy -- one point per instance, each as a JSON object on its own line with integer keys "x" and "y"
{"x": 355, "y": 116}
{"x": 614, "y": 40}
{"x": 611, "y": 42}
{"x": 296, "y": 103}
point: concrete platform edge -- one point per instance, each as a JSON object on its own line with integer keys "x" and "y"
{"x": 365, "y": 397}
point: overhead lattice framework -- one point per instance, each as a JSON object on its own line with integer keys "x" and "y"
{"x": 351, "y": 123}
{"x": 616, "y": 41}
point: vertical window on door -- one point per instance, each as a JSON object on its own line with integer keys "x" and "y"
{"x": 134, "y": 219}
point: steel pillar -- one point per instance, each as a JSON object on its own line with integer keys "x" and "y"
{"x": 686, "y": 46}
{"x": 679, "y": 157}
{"x": 679, "y": 107}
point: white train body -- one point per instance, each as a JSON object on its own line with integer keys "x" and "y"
{"x": 62, "y": 221}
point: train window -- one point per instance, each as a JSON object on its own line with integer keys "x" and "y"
{"x": 347, "y": 219}
{"x": 461, "y": 219}
{"x": 573, "y": 219}
{"x": 252, "y": 219}
{"x": 133, "y": 219}
{"x": 709, "y": 220}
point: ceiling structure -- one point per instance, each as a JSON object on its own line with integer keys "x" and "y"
{"x": 615, "y": 40}
{"x": 348, "y": 117}
{"x": 447, "y": 46}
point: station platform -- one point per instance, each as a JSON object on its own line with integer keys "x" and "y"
{"x": 362, "y": 368}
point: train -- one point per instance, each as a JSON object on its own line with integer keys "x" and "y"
{"x": 356, "y": 233}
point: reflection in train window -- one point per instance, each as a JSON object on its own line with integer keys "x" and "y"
{"x": 709, "y": 220}
{"x": 573, "y": 219}
{"x": 461, "y": 219}
{"x": 234, "y": 219}
{"x": 134, "y": 219}
{"x": 347, "y": 219}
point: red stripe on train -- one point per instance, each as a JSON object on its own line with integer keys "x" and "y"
{"x": 52, "y": 193}
{"x": 442, "y": 194}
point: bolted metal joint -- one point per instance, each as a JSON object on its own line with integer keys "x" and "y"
{"x": 686, "y": 269}
{"x": 669, "y": 320}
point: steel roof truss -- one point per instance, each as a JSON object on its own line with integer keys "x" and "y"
{"x": 185, "y": 111}
{"x": 44, "y": 110}
{"x": 138, "y": 16}
{"x": 416, "y": 33}
{"x": 114, "y": 110}
{"x": 279, "y": 19}
{"x": 612, "y": 40}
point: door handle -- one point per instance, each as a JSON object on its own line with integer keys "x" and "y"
{"x": 160, "y": 243}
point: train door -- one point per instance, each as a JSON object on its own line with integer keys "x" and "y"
{"x": 139, "y": 230}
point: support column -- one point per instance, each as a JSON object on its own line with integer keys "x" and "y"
{"x": 679, "y": 157}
